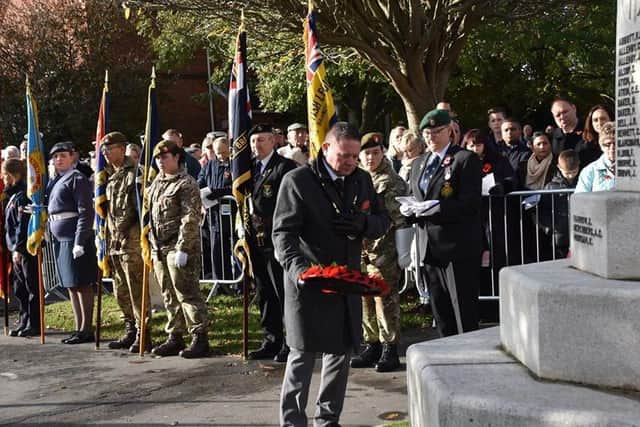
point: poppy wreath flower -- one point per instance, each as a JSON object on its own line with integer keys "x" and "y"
{"x": 338, "y": 279}
{"x": 447, "y": 161}
{"x": 486, "y": 168}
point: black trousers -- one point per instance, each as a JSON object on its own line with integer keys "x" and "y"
{"x": 269, "y": 278}
{"x": 26, "y": 291}
{"x": 466, "y": 274}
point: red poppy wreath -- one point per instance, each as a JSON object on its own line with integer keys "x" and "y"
{"x": 337, "y": 279}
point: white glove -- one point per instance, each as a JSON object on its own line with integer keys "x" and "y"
{"x": 77, "y": 251}
{"x": 181, "y": 259}
{"x": 430, "y": 211}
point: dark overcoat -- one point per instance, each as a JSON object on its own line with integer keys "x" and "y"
{"x": 303, "y": 236}
{"x": 454, "y": 233}
{"x": 265, "y": 191}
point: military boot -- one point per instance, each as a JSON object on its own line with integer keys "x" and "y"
{"x": 127, "y": 339}
{"x": 148, "y": 345}
{"x": 199, "y": 347}
{"x": 171, "y": 347}
{"x": 368, "y": 357}
{"x": 389, "y": 360}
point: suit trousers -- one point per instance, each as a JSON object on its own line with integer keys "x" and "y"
{"x": 295, "y": 389}
{"x": 269, "y": 278}
{"x": 466, "y": 275}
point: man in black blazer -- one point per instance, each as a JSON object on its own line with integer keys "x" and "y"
{"x": 323, "y": 212}
{"x": 268, "y": 170}
{"x": 450, "y": 233}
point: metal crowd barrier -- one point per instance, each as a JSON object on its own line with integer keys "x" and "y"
{"x": 521, "y": 213}
{"x": 219, "y": 225}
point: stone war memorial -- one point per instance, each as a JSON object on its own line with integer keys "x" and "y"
{"x": 567, "y": 350}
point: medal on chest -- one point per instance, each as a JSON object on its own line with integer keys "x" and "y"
{"x": 267, "y": 190}
{"x": 447, "y": 190}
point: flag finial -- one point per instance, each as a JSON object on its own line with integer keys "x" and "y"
{"x": 106, "y": 76}
{"x": 241, "y": 20}
{"x": 153, "y": 72}
{"x": 310, "y": 3}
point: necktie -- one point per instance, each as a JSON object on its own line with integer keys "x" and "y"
{"x": 339, "y": 182}
{"x": 434, "y": 162}
{"x": 258, "y": 170}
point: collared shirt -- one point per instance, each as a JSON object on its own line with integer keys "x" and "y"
{"x": 442, "y": 152}
{"x": 264, "y": 162}
{"x": 332, "y": 173}
{"x": 596, "y": 176}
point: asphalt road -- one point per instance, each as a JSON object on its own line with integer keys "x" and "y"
{"x": 56, "y": 384}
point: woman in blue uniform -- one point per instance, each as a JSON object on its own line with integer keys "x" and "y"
{"x": 71, "y": 212}
{"x": 24, "y": 265}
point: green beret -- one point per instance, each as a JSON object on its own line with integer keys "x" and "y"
{"x": 114, "y": 138}
{"x": 370, "y": 140}
{"x": 165, "y": 146}
{"x": 261, "y": 128}
{"x": 435, "y": 118}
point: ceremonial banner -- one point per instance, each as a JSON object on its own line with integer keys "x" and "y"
{"x": 36, "y": 177}
{"x": 239, "y": 126}
{"x": 100, "y": 178}
{"x": 321, "y": 112}
{"x": 149, "y": 168}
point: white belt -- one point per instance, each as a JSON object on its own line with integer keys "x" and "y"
{"x": 62, "y": 215}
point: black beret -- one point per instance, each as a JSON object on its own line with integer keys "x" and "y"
{"x": 62, "y": 146}
{"x": 261, "y": 128}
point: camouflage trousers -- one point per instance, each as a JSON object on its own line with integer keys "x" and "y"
{"x": 381, "y": 315}
{"x": 186, "y": 309}
{"x": 126, "y": 271}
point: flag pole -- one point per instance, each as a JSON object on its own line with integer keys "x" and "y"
{"x": 146, "y": 270}
{"x": 41, "y": 292}
{"x": 6, "y": 290}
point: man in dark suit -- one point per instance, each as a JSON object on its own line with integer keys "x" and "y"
{"x": 268, "y": 170}
{"x": 323, "y": 212}
{"x": 451, "y": 229}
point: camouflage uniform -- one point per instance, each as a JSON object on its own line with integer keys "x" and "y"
{"x": 175, "y": 226}
{"x": 381, "y": 315}
{"x": 123, "y": 240}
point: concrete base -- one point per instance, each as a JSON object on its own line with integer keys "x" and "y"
{"x": 467, "y": 380}
{"x": 564, "y": 324}
{"x": 604, "y": 238}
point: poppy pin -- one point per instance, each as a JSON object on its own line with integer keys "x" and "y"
{"x": 447, "y": 161}
{"x": 486, "y": 168}
{"x": 366, "y": 205}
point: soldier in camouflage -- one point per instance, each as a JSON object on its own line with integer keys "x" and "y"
{"x": 176, "y": 214}
{"x": 123, "y": 239}
{"x": 381, "y": 315}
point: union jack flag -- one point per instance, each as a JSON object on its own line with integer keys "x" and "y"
{"x": 321, "y": 111}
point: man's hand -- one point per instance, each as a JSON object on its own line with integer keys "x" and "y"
{"x": 17, "y": 257}
{"x": 350, "y": 224}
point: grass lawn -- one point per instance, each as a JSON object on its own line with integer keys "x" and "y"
{"x": 225, "y": 334}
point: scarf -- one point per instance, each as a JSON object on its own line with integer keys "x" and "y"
{"x": 537, "y": 172}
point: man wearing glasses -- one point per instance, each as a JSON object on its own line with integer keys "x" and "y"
{"x": 449, "y": 232}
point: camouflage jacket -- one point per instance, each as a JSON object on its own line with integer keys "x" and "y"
{"x": 123, "y": 224}
{"x": 176, "y": 213}
{"x": 388, "y": 186}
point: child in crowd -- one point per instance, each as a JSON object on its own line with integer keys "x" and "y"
{"x": 24, "y": 265}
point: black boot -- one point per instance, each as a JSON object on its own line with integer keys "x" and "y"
{"x": 148, "y": 345}
{"x": 282, "y": 355}
{"x": 199, "y": 347}
{"x": 127, "y": 339}
{"x": 368, "y": 357}
{"x": 389, "y": 361}
{"x": 171, "y": 347}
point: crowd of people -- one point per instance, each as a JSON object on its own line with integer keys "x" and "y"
{"x": 340, "y": 207}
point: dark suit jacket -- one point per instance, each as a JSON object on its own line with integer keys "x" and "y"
{"x": 454, "y": 233}
{"x": 303, "y": 235}
{"x": 265, "y": 191}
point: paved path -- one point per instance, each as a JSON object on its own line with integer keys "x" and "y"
{"x": 56, "y": 384}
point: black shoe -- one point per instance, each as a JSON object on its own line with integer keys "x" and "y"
{"x": 127, "y": 339}
{"x": 148, "y": 345}
{"x": 368, "y": 357}
{"x": 266, "y": 351}
{"x": 389, "y": 360}
{"x": 171, "y": 347}
{"x": 199, "y": 347}
{"x": 73, "y": 334}
{"x": 81, "y": 337}
{"x": 16, "y": 332}
{"x": 29, "y": 332}
{"x": 282, "y": 355}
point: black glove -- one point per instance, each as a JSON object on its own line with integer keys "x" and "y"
{"x": 217, "y": 193}
{"x": 497, "y": 190}
{"x": 352, "y": 225}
